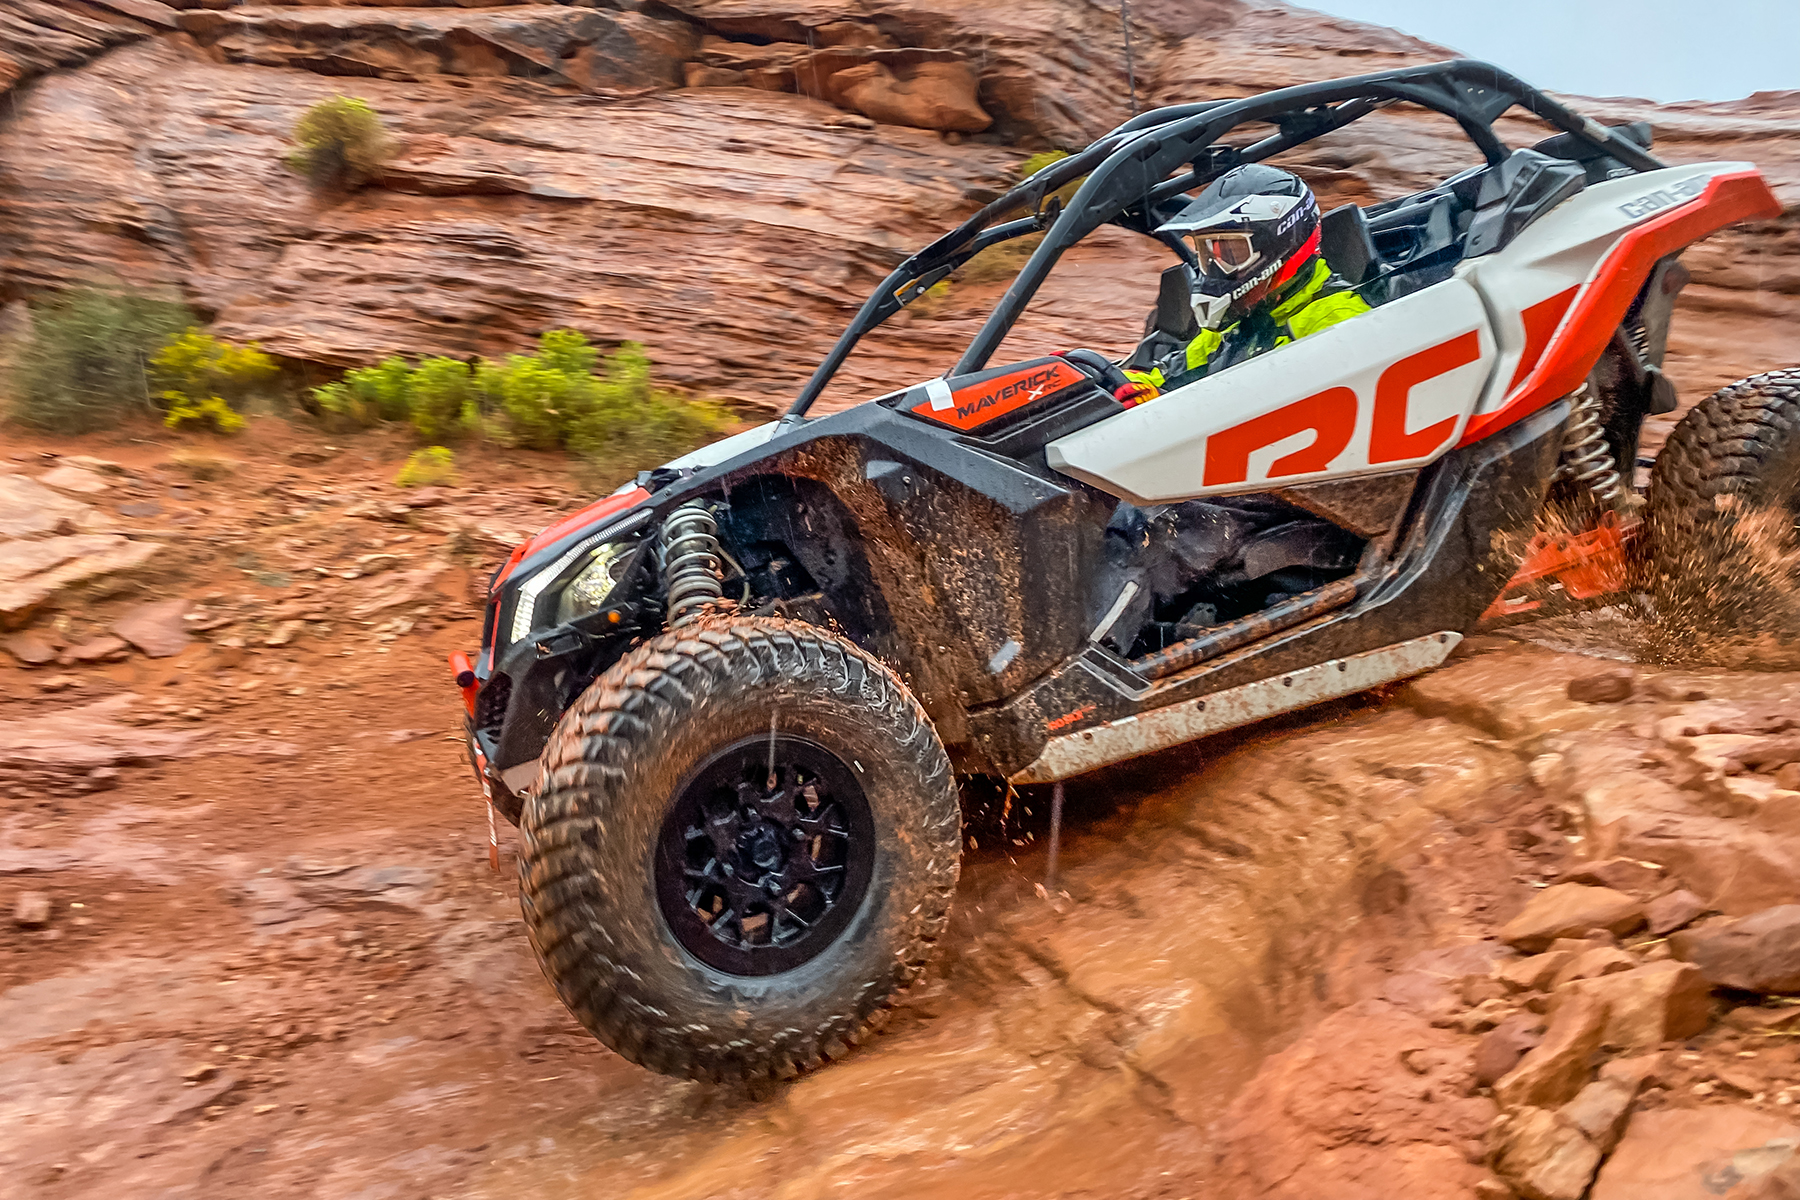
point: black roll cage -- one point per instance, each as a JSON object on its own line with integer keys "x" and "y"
{"x": 1130, "y": 177}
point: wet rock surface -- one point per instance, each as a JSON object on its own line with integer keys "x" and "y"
{"x": 808, "y": 156}
{"x": 267, "y": 842}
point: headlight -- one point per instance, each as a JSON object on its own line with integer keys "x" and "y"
{"x": 594, "y": 583}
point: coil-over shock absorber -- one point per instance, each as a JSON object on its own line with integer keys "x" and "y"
{"x": 1587, "y": 456}
{"x": 692, "y": 561}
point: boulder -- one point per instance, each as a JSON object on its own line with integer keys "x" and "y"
{"x": 157, "y": 628}
{"x": 1603, "y": 687}
{"x": 1757, "y": 953}
{"x": 1655, "y": 1003}
{"x": 1696, "y": 1154}
{"x": 68, "y": 478}
{"x": 1570, "y": 910}
{"x": 1670, "y": 912}
{"x": 1545, "y": 1156}
{"x": 1553, "y": 1072}
{"x": 1599, "y": 1110}
{"x": 927, "y": 95}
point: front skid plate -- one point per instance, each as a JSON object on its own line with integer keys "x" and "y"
{"x": 1077, "y": 753}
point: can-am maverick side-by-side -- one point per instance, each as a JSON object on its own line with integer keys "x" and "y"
{"x": 728, "y": 706}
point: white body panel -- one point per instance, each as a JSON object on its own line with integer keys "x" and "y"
{"x": 1187, "y": 443}
{"x": 1166, "y": 450}
{"x": 1563, "y": 249}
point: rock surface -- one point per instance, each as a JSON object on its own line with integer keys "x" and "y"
{"x": 1655, "y": 1003}
{"x": 156, "y": 628}
{"x": 1688, "y": 1153}
{"x": 1553, "y": 1072}
{"x": 1757, "y": 953}
{"x": 1571, "y": 910}
{"x": 526, "y": 131}
{"x": 1545, "y": 1156}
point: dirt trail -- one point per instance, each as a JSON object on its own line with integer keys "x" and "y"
{"x": 280, "y": 965}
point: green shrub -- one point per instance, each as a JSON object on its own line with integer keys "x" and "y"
{"x": 370, "y": 395}
{"x": 342, "y": 144}
{"x": 87, "y": 360}
{"x": 442, "y": 398}
{"x": 549, "y": 400}
{"x": 430, "y": 467}
{"x": 201, "y": 377}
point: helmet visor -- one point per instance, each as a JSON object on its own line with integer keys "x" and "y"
{"x": 1225, "y": 254}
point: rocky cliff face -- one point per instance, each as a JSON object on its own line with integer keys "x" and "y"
{"x": 721, "y": 179}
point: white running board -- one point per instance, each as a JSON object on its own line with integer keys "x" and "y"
{"x": 1078, "y": 753}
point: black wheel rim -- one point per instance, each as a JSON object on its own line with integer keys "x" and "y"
{"x": 765, "y": 855}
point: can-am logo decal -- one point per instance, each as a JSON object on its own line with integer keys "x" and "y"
{"x": 1661, "y": 198}
{"x": 976, "y": 404}
{"x": 1330, "y": 416}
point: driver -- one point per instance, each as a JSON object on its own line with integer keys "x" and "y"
{"x": 1262, "y": 281}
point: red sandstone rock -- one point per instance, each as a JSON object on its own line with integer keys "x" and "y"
{"x": 30, "y": 649}
{"x": 1501, "y": 1048}
{"x": 1603, "y": 687}
{"x": 1591, "y": 964}
{"x": 1670, "y": 912}
{"x": 1686, "y": 1153}
{"x": 1620, "y": 874}
{"x": 1599, "y": 1111}
{"x": 1535, "y": 972}
{"x": 1342, "y": 1114}
{"x": 1570, "y": 910}
{"x": 1757, "y": 953}
{"x": 1558, "y": 1068}
{"x": 1544, "y": 1156}
{"x": 156, "y": 628}
{"x": 1655, "y": 1003}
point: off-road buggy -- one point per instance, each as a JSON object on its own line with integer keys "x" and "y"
{"x": 728, "y": 707}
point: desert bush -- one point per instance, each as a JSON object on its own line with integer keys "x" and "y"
{"x": 87, "y": 359}
{"x": 341, "y": 144}
{"x": 442, "y": 399}
{"x": 370, "y": 395}
{"x": 564, "y": 396}
{"x": 430, "y": 467}
{"x": 200, "y": 377}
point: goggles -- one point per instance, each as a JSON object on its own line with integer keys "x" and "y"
{"x": 1225, "y": 254}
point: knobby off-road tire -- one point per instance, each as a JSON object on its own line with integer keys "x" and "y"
{"x": 1722, "y": 510}
{"x": 596, "y": 836}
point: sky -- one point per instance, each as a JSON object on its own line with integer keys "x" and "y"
{"x": 1656, "y": 49}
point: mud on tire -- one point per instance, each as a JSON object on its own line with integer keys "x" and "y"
{"x": 1722, "y": 509}
{"x": 672, "y": 726}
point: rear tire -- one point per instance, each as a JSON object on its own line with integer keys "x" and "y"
{"x": 1722, "y": 510}
{"x": 831, "y": 889}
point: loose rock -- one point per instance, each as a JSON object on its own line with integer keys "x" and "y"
{"x": 1603, "y": 687}
{"x": 1757, "y": 953}
{"x": 1569, "y": 910}
{"x": 94, "y": 650}
{"x": 1591, "y": 964}
{"x": 30, "y": 649}
{"x": 1620, "y": 874}
{"x": 157, "y": 629}
{"x": 1688, "y": 1153}
{"x": 1535, "y": 972}
{"x": 1558, "y": 1068}
{"x": 31, "y": 910}
{"x": 1665, "y": 914}
{"x": 1501, "y": 1048}
{"x": 1655, "y": 1003}
{"x": 1599, "y": 1110}
{"x": 1545, "y": 1157}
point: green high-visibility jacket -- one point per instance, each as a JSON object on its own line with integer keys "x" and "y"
{"x": 1322, "y": 301}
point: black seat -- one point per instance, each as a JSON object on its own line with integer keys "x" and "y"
{"x": 1345, "y": 241}
{"x": 1171, "y": 325}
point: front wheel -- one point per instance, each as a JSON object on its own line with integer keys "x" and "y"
{"x": 1724, "y": 520}
{"x": 743, "y": 850}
